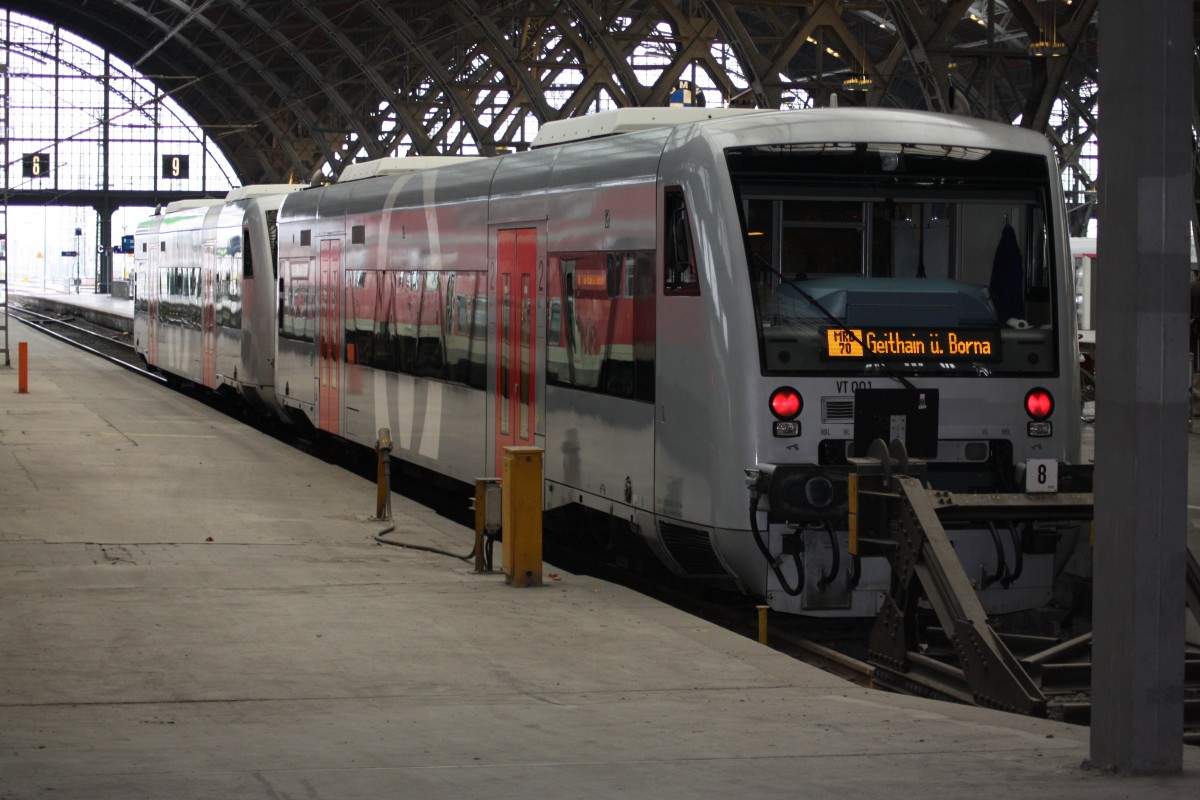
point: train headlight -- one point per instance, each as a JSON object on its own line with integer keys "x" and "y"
{"x": 786, "y": 403}
{"x": 1039, "y": 405}
{"x": 786, "y": 428}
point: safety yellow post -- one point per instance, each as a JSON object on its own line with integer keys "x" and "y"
{"x": 23, "y": 368}
{"x": 522, "y": 516}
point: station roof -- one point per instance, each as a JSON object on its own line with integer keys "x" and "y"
{"x": 289, "y": 89}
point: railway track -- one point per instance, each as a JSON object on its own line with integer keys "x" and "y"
{"x": 104, "y": 342}
{"x": 1061, "y": 670}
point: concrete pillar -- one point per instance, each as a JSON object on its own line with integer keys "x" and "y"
{"x": 1142, "y": 385}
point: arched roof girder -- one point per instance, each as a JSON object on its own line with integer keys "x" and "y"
{"x": 199, "y": 53}
{"x": 507, "y": 54}
{"x": 821, "y": 14}
{"x": 408, "y": 38}
{"x": 697, "y": 42}
{"x": 387, "y": 92}
{"x": 311, "y": 70}
{"x": 635, "y": 93}
{"x": 268, "y": 75}
{"x": 914, "y": 38}
{"x": 1048, "y": 79}
{"x": 746, "y": 53}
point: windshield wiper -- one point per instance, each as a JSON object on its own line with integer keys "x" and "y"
{"x": 833, "y": 320}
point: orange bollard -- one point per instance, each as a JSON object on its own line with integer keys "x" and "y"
{"x": 22, "y": 367}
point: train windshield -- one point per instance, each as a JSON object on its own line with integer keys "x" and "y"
{"x": 898, "y": 259}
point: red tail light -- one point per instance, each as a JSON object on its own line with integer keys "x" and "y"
{"x": 1039, "y": 404}
{"x": 786, "y": 403}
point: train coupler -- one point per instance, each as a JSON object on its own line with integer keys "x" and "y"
{"x": 894, "y": 514}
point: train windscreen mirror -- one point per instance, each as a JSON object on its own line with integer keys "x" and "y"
{"x": 910, "y": 415}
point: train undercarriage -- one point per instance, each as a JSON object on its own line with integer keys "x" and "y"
{"x": 932, "y": 635}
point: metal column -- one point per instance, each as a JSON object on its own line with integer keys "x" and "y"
{"x": 4, "y": 133}
{"x": 1142, "y": 386}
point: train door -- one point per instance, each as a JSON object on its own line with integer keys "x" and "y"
{"x": 516, "y": 331}
{"x": 329, "y": 336}
{"x": 208, "y": 317}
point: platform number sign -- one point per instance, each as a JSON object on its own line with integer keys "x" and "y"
{"x": 35, "y": 165}
{"x": 174, "y": 167}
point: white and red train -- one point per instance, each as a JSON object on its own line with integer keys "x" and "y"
{"x": 663, "y": 300}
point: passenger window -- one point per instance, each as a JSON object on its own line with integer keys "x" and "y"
{"x": 679, "y": 261}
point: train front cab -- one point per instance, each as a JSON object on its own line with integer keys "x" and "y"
{"x": 872, "y": 268}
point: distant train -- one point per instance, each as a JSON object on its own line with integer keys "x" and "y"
{"x": 665, "y": 300}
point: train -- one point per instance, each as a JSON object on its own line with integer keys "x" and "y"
{"x": 672, "y": 303}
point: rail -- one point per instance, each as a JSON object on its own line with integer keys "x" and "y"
{"x": 101, "y": 344}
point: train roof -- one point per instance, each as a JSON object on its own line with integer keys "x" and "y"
{"x": 184, "y": 205}
{"x": 262, "y": 190}
{"x": 396, "y": 166}
{"x": 627, "y": 120}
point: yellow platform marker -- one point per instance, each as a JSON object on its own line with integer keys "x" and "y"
{"x": 522, "y": 516}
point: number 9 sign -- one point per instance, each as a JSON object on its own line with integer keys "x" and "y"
{"x": 174, "y": 167}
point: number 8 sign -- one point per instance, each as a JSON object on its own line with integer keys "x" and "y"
{"x": 1041, "y": 475}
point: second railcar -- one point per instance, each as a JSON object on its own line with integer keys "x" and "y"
{"x": 205, "y": 291}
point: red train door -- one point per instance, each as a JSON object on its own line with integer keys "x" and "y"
{"x": 208, "y": 317}
{"x": 329, "y": 336}
{"x": 515, "y": 301}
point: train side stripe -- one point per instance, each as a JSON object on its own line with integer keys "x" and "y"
{"x": 428, "y": 184}
{"x": 385, "y": 226}
{"x": 405, "y": 398}
{"x": 382, "y": 412}
{"x": 431, "y": 429}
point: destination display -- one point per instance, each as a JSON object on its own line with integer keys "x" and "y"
{"x": 907, "y": 344}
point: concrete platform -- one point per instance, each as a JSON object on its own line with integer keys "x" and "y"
{"x": 100, "y": 309}
{"x": 189, "y": 609}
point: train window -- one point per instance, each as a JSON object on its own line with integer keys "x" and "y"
{"x": 431, "y": 359}
{"x": 247, "y": 255}
{"x": 679, "y": 261}
{"x": 358, "y": 319}
{"x": 358, "y": 234}
{"x": 950, "y": 248}
{"x": 305, "y": 238}
{"x": 821, "y": 238}
{"x": 598, "y": 338}
{"x": 554, "y": 323}
{"x": 296, "y": 301}
{"x": 504, "y": 368}
{"x": 524, "y": 359}
{"x": 465, "y": 326}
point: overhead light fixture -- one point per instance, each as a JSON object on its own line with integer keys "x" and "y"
{"x": 858, "y": 83}
{"x": 1047, "y": 49}
{"x": 1049, "y": 46}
